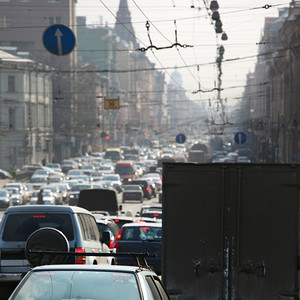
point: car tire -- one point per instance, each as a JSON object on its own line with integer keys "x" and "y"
{"x": 47, "y": 239}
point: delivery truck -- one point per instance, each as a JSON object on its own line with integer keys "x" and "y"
{"x": 230, "y": 231}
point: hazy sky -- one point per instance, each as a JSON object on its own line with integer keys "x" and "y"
{"x": 242, "y": 21}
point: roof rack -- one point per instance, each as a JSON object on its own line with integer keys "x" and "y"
{"x": 140, "y": 258}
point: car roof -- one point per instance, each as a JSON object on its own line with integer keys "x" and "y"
{"x": 114, "y": 268}
{"x": 143, "y": 224}
{"x": 48, "y": 208}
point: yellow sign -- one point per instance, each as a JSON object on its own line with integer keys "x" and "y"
{"x": 111, "y": 103}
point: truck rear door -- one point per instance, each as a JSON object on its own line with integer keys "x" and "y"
{"x": 230, "y": 231}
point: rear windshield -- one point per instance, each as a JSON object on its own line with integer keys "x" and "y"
{"x": 20, "y": 226}
{"x": 81, "y": 284}
{"x": 141, "y": 233}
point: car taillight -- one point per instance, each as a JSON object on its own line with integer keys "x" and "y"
{"x": 111, "y": 244}
{"x": 159, "y": 183}
{"x": 79, "y": 260}
{"x": 118, "y": 237}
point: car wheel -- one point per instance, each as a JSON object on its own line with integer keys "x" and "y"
{"x": 141, "y": 200}
{"x": 46, "y": 239}
{"x": 149, "y": 197}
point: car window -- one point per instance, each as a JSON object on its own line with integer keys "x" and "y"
{"x": 82, "y": 284}
{"x": 89, "y": 228}
{"x": 19, "y": 227}
{"x": 157, "y": 290}
{"x": 141, "y": 233}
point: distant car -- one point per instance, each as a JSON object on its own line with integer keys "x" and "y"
{"x": 4, "y": 174}
{"x": 90, "y": 282}
{"x": 132, "y": 192}
{"x": 140, "y": 238}
{"x": 106, "y": 224}
{"x": 48, "y": 198}
{"x": 21, "y": 189}
{"x": 115, "y": 180}
{"x": 155, "y": 214}
{"x": 75, "y": 190}
{"x": 4, "y": 198}
{"x": 54, "y": 166}
{"x": 152, "y": 185}
{"x": 145, "y": 186}
{"x": 55, "y": 191}
{"x": 15, "y": 196}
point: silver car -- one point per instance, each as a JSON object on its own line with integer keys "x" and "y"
{"x": 90, "y": 282}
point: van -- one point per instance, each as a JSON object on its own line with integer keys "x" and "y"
{"x": 126, "y": 170}
{"x": 20, "y": 224}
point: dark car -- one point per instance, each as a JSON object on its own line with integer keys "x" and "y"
{"x": 4, "y": 198}
{"x": 140, "y": 238}
{"x": 133, "y": 192}
{"x": 145, "y": 186}
{"x": 107, "y": 225}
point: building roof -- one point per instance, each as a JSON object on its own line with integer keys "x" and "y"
{"x": 8, "y": 57}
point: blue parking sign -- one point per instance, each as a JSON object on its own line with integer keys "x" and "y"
{"x": 59, "y": 39}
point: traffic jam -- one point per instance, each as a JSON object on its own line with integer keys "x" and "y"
{"x": 96, "y": 208}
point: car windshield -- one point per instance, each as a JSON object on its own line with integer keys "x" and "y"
{"x": 80, "y": 284}
{"x": 124, "y": 170}
{"x": 19, "y": 227}
{"x": 3, "y": 193}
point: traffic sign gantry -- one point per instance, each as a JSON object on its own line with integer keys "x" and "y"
{"x": 59, "y": 39}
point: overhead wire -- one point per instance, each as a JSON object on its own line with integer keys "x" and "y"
{"x": 137, "y": 40}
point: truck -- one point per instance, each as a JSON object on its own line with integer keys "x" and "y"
{"x": 235, "y": 228}
{"x": 126, "y": 170}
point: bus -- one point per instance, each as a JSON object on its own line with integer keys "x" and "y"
{"x": 115, "y": 154}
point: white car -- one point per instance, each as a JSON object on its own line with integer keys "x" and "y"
{"x": 90, "y": 282}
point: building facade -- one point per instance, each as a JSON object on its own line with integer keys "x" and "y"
{"x": 26, "y": 112}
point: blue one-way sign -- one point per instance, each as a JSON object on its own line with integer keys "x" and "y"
{"x": 59, "y": 39}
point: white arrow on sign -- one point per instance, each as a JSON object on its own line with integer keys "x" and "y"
{"x": 58, "y": 35}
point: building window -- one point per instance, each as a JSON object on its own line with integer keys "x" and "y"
{"x": 54, "y": 20}
{"x": 25, "y": 0}
{"x": 53, "y": 1}
{"x": 11, "y": 83}
{"x": 12, "y": 118}
{"x": 4, "y": 0}
{"x": 4, "y": 21}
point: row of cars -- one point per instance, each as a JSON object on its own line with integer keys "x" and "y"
{"x": 26, "y": 228}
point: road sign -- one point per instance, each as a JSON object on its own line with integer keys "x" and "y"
{"x": 240, "y": 138}
{"x": 180, "y": 138}
{"x": 59, "y": 39}
{"x": 111, "y": 103}
{"x": 38, "y": 148}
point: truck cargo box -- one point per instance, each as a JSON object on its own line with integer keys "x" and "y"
{"x": 230, "y": 231}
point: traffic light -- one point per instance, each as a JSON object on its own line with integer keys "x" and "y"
{"x": 145, "y": 133}
{"x": 107, "y": 137}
